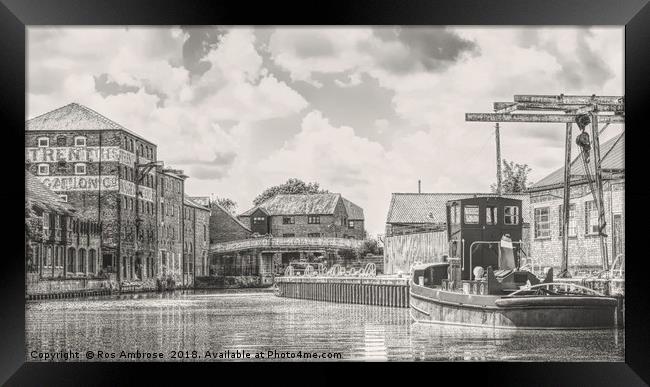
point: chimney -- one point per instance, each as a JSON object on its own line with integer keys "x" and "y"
{"x": 419, "y": 186}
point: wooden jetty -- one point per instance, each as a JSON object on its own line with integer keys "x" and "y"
{"x": 383, "y": 291}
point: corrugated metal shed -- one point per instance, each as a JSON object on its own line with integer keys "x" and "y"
{"x": 612, "y": 153}
{"x": 431, "y": 207}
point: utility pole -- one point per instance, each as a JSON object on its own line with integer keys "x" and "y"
{"x": 564, "y": 265}
{"x": 496, "y": 136}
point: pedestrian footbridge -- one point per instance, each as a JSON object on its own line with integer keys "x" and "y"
{"x": 275, "y": 244}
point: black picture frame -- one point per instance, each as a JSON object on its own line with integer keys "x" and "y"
{"x": 16, "y": 15}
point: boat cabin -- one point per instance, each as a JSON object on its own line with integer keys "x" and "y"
{"x": 475, "y": 228}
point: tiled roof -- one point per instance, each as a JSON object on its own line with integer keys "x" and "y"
{"x": 233, "y": 217}
{"x": 189, "y": 202}
{"x": 354, "y": 212}
{"x": 612, "y": 154}
{"x": 72, "y": 117}
{"x": 298, "y": 204}
{"x": 431, "y": 207}
{"x": 37, "y": 193}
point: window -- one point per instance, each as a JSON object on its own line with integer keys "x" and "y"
{"x": 80, "y": 141}
{"x": 511, "y": 215}
{"x": 454, "y": 214}
{"x": 591, "y": 218}
{"x": 313, "y": 219}
{"x": 43, "y": 169}
{"x": 491, "y": 215}
{"x": 60, "y": 141}
{"x": 80, "y": 169}
{"x": 542, "y": 223}
{"x": 471, "y": 214}
{"x": 572, "y": 220}
{"x": 288, "y": 220}
{"x": 131, "y": 145}
{"x": 205, "y": 233}
{"x": 258, "y": 219}
{"x": 289, "y": 235}
{"x": 64, "y": 198}
{"x": 351, "y": 224}
{"x": 314, "y": 235}
{"x": 43, "y": 142}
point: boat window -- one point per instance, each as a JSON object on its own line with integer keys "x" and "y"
{"x": 471, "y": 214}
{"x": 454, "y": 214}
{"x": 511, "y": 215}
{"x": 491, "y": 215}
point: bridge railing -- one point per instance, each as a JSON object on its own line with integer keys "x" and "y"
{"x": 282, "y": 242}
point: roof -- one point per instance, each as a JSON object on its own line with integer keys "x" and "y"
{"x": 354, "y": 212}
{"x": 431, "y": 207}
{"x": 72, "y": 117}
{"x": 612, "y": 154}
{"x": 298, "y": 204}
{"x": 233, "y": 217}
{"x": 40, "y": 195}
{"x": 189, "y": 202}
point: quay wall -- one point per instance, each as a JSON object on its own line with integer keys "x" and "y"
{"x": 392, "y": 292}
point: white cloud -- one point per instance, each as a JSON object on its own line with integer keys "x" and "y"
{"x": 211, "y": 124}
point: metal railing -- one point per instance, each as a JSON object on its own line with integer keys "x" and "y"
{"x": 558, "y": 285}
{"x": 285, "y": 242}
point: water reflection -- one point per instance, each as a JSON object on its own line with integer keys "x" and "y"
{"x": 262, "y": 322}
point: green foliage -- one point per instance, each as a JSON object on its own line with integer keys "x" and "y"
{"x": 514, "y": 177}
{"x": 292, "y": 186}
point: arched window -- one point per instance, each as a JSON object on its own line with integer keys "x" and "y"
{"x": 82, "y": 260}
{"x": 72, "y": 257}
{"x": 91, "y": 261}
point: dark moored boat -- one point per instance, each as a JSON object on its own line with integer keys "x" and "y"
{"x": 500, "y": 295}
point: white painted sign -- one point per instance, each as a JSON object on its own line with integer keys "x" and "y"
{"x": 128, "y": 188}
{"x": 79, "y": 183}
{"x": 89, "y": 154}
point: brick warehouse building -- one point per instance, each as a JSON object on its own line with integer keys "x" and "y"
{"x": 60, "y": 243}
{"x": 91, "y": 162}
{"x": 171, "y": 185}
{"x": 306, "y": 215}
{"x": 196, "y": 242}
{"x": 112, "y": 176}
{"x": 546, "y": 197}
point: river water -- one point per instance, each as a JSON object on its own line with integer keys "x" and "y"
{"x": 227, "y": 324}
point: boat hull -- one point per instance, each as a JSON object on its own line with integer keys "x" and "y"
{"x": 526, "y": 312}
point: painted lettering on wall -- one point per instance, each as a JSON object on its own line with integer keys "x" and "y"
{"x": 128, "y": 188}
{"x": 88, "y": 154}
{"x": 79, "y": 183}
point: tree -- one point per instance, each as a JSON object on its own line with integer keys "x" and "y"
{"x": 514, "y": 177}
{"x": 370, "y": 246}
{"x": 228, "y": 204}
{"x": 292, "y": 186}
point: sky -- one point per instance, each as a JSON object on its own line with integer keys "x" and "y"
{"x": 363, "y": 111}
